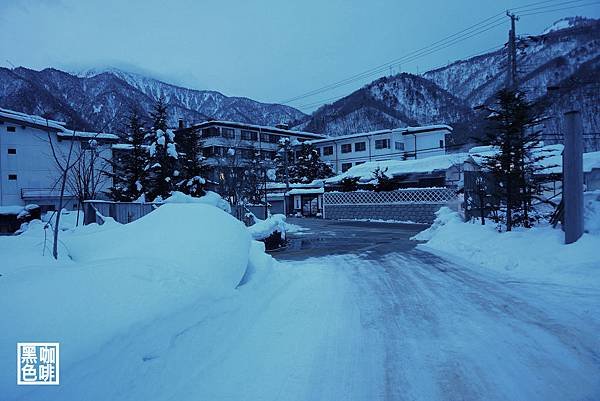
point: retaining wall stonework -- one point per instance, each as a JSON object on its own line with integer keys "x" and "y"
{"x": 417, "y": 212}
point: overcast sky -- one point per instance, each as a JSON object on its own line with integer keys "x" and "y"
{"x": 269, "y": 50}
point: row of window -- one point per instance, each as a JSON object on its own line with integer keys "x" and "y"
{"x": 361, "y": 146}
{"x": 220, "y": 151}
{"x": 347, "y": 166}
{"x": 245, "y": 135}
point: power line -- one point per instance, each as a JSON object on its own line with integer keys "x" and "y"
{"x": 473, "y": 30}
{"x": 561, "y": 9}
{"x": 405, "y": 61}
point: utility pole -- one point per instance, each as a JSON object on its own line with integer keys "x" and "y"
{"x": 573, "y": 177}
{"x": 287, "y": 175}
{"x": 511, "y": 76}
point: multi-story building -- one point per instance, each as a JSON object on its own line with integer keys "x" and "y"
{"x": 28, "y": 167}
{"x": 343, "y": 152}
{"x": 226, "y": 142}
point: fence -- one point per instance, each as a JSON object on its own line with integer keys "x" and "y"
{"x": 123, "y": 212}
{"x": 413, "y": 204}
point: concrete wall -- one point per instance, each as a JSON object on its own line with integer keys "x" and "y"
{"x": 31, "y": 161}
{"x": 427, "y": 144}
{"x": 417, "y": 212}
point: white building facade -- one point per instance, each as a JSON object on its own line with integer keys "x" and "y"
{"x": 218, "y": 137}
{"x": 28, "y": 170}
{"x": 344, "y": 152}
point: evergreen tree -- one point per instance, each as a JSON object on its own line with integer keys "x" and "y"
{"x": 129, "y": 174}
{"x": 517, "y": 155}
{"x": 284, "y": 160}
{"x": 161, "y": 168}
{"x": 192, "y": 170}
{"x": 384, "y": 182}
{"x": 309, "y": 166}
{"x": 253, "y": 179}
{"x": 349, "y": 184}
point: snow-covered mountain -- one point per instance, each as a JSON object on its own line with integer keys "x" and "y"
{"x": 563, "y": 56}
{"x": 101, "y": 100}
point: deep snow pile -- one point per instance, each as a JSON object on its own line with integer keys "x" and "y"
{"x": 591, "y": 212}
{"x": 112, "y": 278}
{"x": 261, "y": 229}
{"x": 210, "y": 198}
{"x": 538, "y": 253}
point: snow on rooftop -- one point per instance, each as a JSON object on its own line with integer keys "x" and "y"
{"x": 424, "y": 128}
{"x": 305, "y": 191}
{"x": 84, "y": 134}
{"x": 398, "y": 167}
{"x": 32, "y": 119}
{"x": 265, "y": 127}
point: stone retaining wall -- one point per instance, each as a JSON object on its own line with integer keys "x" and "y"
{"x": 417, "y": 212}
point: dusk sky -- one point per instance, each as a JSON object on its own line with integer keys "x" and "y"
{"x": 269, "y": 50}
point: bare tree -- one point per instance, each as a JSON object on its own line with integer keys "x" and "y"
{"x": 89, "y": 173}
{"x": 64, "y": 164}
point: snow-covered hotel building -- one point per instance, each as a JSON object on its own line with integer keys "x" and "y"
{"x": 28, "y": 170}
{"x": 218, "y": 137}
{"x": 345, "y": 151}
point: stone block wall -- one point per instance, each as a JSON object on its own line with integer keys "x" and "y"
{"x": 417, "y": 212}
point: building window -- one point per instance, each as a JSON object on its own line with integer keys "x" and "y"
{"x": 12, "y": 151}
{"x": 249, "y": 135}
{"x": 382, "y": 144}
{"x": 10, "y": 128}
{"x": 360, "y": 146}
{"x": 399, "y": 145}
{"x": 211, "y": 131}
{"x": 357, "y": 163}
{"x": 346, "y": 167}
{"x": 12, "y": 177}
{"x": 274, "y": 138}
{"x": 228, "y": 133}
{"x": 346, "y": 148}
{"x": 442, "y": 143}
{"x": 327, "y": 150}
{"x": 265, "y": 137}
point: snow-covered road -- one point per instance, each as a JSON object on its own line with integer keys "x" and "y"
{"x": 366, "y": 325}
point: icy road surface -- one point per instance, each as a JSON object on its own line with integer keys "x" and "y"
{"x": 378, "y": 321}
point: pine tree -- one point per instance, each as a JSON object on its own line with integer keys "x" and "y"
{"x": 284, "y": 159}
{"x": 162, "y": 172}
{"x": 384, "y": 182}
{"x": 192, "y": 170}
{"x": 253, "y": 179}
{"x": 512, "y": 133}
{"x": 309, "y": 166}
{"x": 129, "y": 175}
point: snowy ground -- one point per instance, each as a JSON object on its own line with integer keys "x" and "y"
{"x": 381, "y": 320}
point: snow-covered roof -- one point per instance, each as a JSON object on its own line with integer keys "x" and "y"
{"x": 31, "y": 119}
{"x": 403, "y": 131}
{"x": 258, "y": 127}
{"x": 281, "y": 185}
{"x": 62, "y": 131}
{"x": 305, "y": 191}
{"x": 400, "y": 167}
{"x": 83, "y": 134}
{"x": 552, "y": 162}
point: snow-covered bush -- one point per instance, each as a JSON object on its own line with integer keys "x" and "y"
{"x": 592, "y": 212}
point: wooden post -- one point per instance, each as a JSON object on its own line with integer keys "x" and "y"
{"x": 573, "y": 177}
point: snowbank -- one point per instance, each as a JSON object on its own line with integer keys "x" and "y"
{"x": 538, "y": 253}
{"x": 261, "y": 229}
{"x": 591, "y": 201}
{"x": 211, "y": 198}
{"x": 264, "y": 228}
{"x": 114, "y": 278}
